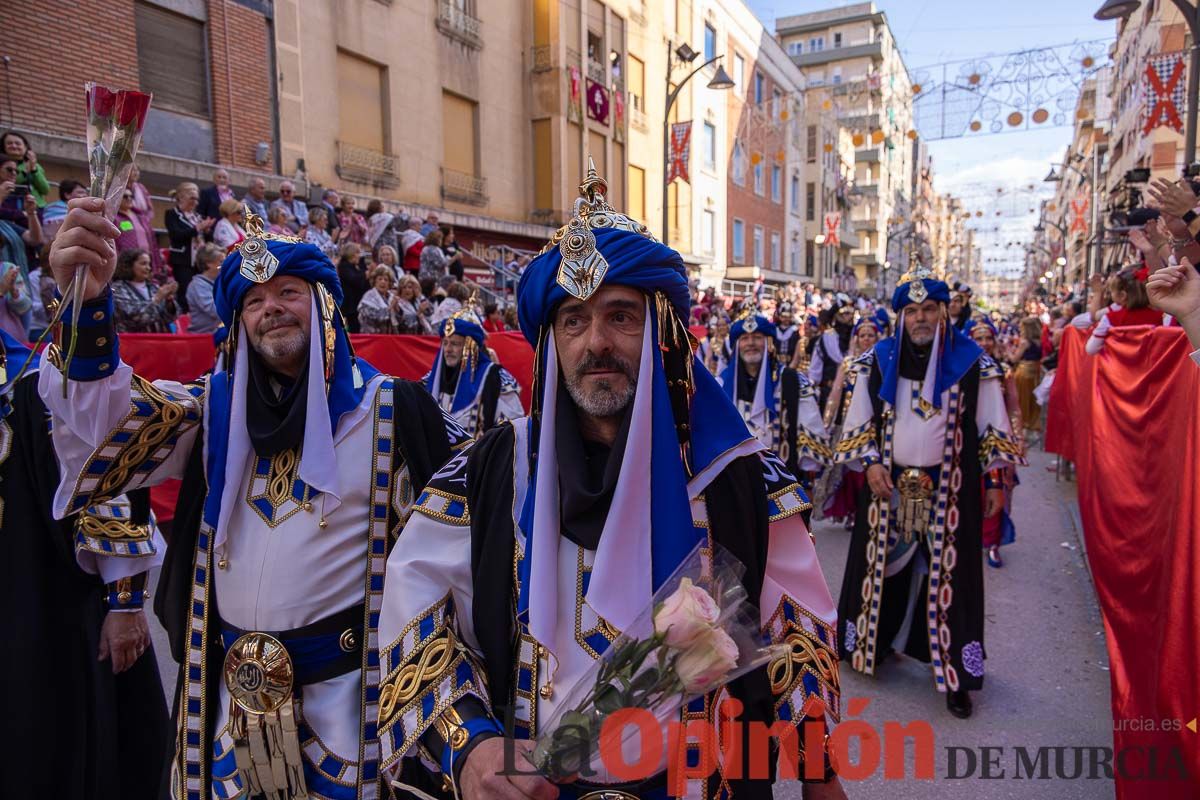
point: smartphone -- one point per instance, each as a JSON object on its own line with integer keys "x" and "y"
{"x": 20, "y": 191}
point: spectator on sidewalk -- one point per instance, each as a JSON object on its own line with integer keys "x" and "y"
{"x": 277, "y": 218}
{"x": 186, "y": 230}
{"x": 430, "y": 225}
{"x": 318, "y": 222}
{"x": 229, "y": 231}
{"x": 202, "y": 308}
{"x": 453, "y": 252}
{"x": 457, "y": 296}
{"x": 29, "y": 171}
{"x": 330, "y": 201}
{"x": 412, "y": 310}
{"x": 16, "y": 301}
{"x": 434, "y": 263}
{"x": 353, "y": 276}
{"x": 493, "y": 320}
{"x": 294, "y": 208}
{"x": 1128, "y": 290}
{"x": 377, "y": 310}
{"x": 256, "y": 198}
{"x": 139, "y": 306}
{"x": 54, "y": 213}
{"x": 212, "y": 196}
{"x": 352, "y": 226}
{"x": 412, "y": 243}
{"x": 1176, "y": 291}
{"x": 385, "y": 256}
{"x": 143, "y": 217}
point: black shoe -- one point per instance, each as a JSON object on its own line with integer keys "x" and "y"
{"x": 959, "y": 703}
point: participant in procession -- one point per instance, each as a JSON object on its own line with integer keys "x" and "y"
{"x": 998, "y": 529}
{"x": 927, "y": 422}
{"x": 829, "y": 351}
{"x": 838, "y": 491}
{"x": 714, "y": 348}
{"x": 527, "y": 555}
{"x": 778, "y": 403}
{"x": 472, "y": 388}
{"x": 308, "y": 458}
{"x": 787, "y": 334}
{"x": 84, "y": 714}
{"x": 960, "y": 306}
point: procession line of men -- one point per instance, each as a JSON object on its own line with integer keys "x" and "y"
{"x": 361, "y": 596}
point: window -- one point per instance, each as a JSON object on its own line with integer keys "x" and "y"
{"x": 776, "y": 183}
{"x": 637, "y": 84}
{"x": 837, "y": 40}
{"x": 637, "y": 193}
{"x": 809, "y": 257}
{"x": 460, "y": 121}
{"x": 595, "y": 47}
{"x": 739, "y": 73}
{"x": 811, "y": 144}
{"x": 758, "y": 246}
{"x": 738, "y": 168}
{"x": 759, "y": 86}
{"x": 362, "y": 103}
{"x": 776, "y": 263}
{"x": 708, "y": 231}
{"x": 795, "y": 194}
{"x": 759, "y": 187}
{"x": 172, "y": 59}
{"x": 810, "y": 201}
{"x": 795, "y": 48}
{"x": 710, "y": 42}
{"x": 816, "y": 44}
{"x": 708, "y": 142}
{"x": 739, "y": 242}
{"x": 794, "y": 261}
{"x": 837, "y": 75}
{"x": 776, "y": 103}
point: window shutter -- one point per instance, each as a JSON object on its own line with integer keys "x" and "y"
{"x": 172, "y": 60}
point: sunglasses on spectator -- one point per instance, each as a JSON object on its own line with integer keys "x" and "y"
{"x": 9, "y": 168}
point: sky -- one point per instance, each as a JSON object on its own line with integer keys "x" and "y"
{"x": 931, "y": 32}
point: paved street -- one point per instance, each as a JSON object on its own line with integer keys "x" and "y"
{"x": 1047, "y": 683}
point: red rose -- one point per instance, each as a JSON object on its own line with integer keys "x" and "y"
{"x": 100, "y": 101}
{"x": 131, "y": 108}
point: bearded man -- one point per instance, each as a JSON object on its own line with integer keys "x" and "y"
{"x": 469, "y": 386}
{"x": 786, "y": 334}
{"x": 927, "y": 421}
{"x": 831, "y": 348}
{"x": 529, "y": 554}
{"x": 298, "y": 462}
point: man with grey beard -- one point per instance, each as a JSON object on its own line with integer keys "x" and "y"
{"x": 527, "y": 555}
{"x": 298, "y": 463}
{"x": 927, "y": 421}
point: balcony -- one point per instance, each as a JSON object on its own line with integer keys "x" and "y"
{"x": 463, "y": 188}
{"x": 455, "y": 22}
{"x": 866, "y": 224}
{"x": 366, "y": 165}
{"x": 856, "y": 88}
{"x": 637, "y": 119}
{"x": 870, "y": 156}
{"x": 595, "y": 71}
{"x": 541, "y": 58}
{"x": 863, "y": 259}
{"x": 870, "y": 49}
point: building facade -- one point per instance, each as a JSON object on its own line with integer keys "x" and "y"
{"x": 852, "y": 51}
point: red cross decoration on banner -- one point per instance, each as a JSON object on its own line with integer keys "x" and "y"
{"x": 681, "y": 149}
{"x": 1166, "y": 94}
{"x": 1079, "y": 210}
{"x": 833, "y": 221}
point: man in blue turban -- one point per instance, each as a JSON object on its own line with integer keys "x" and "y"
{"x": 84, "y": 714}
{"x": 473, "y": 389}
{"x": 529, "y": 554}
{"x": 298, "y": 463}
{"x": 778, "y": 403}
{"x": 927, "y": 422}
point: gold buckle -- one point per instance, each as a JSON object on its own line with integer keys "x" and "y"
{"x": 258, "y": 673}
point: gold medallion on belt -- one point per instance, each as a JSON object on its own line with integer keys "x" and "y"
{"x": 916, "y": 502}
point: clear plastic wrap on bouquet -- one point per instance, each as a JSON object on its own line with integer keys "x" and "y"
{"x": 699, "y": 632}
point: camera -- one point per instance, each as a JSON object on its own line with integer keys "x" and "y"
{"x": 20, "y": 191}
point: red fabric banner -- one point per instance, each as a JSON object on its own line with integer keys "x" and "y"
{"x": 185, "y": 357}
{"x": 680, "y": 152}
{"x": 1129, "y": 418}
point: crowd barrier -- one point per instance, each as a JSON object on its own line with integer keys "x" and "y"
{"x": 1129, "y": 418}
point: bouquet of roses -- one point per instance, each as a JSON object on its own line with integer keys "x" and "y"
{"x": 115, "y": 120}
{"x": 699, "y": 632}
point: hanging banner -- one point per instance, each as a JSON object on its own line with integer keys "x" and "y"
{"x": 833, "y": 222}
{"x": 1165, "y": 91}
{"x": 1079, "y": 212}
{"x": 597, "y": 102}
{"x": 574, "y": 94}
{"x": 681, "y": 148}
{"x": 618, "y": 115}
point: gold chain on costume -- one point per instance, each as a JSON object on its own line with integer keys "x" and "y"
{"x": 103, "y": 528}
{"x": 144, "y": 442}
{"x": 280, "y": 476}
{"x": 409, "y": 680}
{"x": 803, "y": 653}
{"x": 855, "y": 442}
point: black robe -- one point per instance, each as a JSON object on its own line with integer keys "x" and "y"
{"x": 964, "y": 615}
{"x": 71, "y": 728}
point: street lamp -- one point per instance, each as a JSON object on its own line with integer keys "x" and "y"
{"x": 819, "y": 239}
{"x": 1061, "y": 261}
{"x": 720, "y": 80}
{"x": 1117, "y": 9}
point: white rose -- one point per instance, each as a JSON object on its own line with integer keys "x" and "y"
{"x": 707, "y": 661}
{"x": 690, "y": 612}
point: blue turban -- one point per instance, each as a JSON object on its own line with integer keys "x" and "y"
{"x": 935, "y": 290}
{"x": 470, "y": 378}
{"x": 882, "y": 320}
{"x": 633, "y": 260}
{"x": 350, "y": 376}
{"x": 760, "y": 324}
{"x": 729, "y": 380}
{"x": 872, "y": 321}
{"x": 975, "y": 321}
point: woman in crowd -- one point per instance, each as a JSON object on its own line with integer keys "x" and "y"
{"x": 16, "y": 301}
{"x": 133, "y": 234}
{"x": 318, "y": 233}
{"x": 53, "y": 213}
{"x": 412, "y": 310}
{"x": 998, "y": 529}
{"x": 351, "y": 225}
{"x": 377, "y": 308}
{"x": 457, "y": 295}
{"x": 839, "y": 488}
{"x": 353, "y": 276}
{"x": 453, "y": 252}
{"x": 1027, "y": 353}
{"x": 185, "y": 232}
{"x": 29, "y": 171}
{"x": 228, "y": 230}
{"x": 714, "y": 348}
{"x": 1128, "y": 291}
{"x": 139, "y": 306}
{"x": 277, "y": 218}
{"x": 386, "y": 256}
{"x": 143, "y": 216}
{"x": 433, "y": 258}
